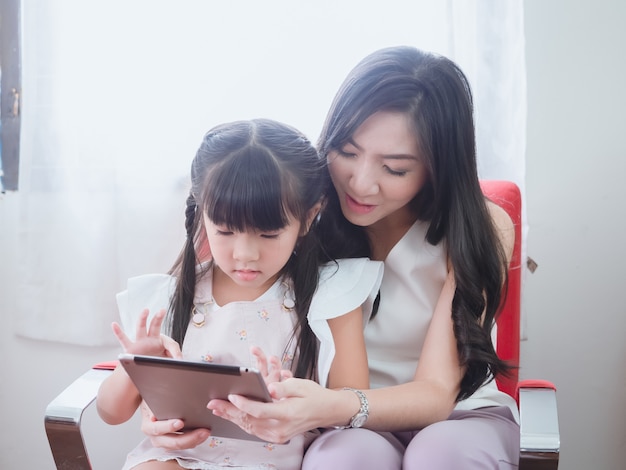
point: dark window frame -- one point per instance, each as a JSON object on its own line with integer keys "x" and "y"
{"x": 10, "y": 93}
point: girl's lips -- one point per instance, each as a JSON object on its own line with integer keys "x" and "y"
{"x": 357, "y": 207}
{"x": 245, "y": 275}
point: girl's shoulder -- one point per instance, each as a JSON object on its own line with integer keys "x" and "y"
{"x": 345, "y": 285}
{"x": 151, "y": 291}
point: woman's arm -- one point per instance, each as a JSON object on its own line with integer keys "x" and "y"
{"x": 349, "y": 367}
{"x": 431, "y": 396}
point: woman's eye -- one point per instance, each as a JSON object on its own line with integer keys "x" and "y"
{"x": 345, "y": 153}
{"x": 223, "y": 232}
{"x": 271, "y": 236}
{"x": 393, "y": 172}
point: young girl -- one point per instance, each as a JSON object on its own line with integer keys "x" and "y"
{"x": 252, "y": 280}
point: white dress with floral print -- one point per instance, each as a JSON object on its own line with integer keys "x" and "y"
{"x": 228, "y": 333}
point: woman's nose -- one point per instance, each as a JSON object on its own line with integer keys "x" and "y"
{"x": 364, "y": 180}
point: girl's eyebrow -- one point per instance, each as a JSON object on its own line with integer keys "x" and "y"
{"x": 392, "y": 156}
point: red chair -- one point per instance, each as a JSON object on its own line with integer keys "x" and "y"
{"x": 540, "y": 439}
{"x": 539, "y": 442}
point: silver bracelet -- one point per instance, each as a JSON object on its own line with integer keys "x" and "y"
{"x": 359, "y": 419}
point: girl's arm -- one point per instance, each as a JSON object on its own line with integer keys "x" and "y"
{"x": 118, "y": 397}
{"x": 349, "y": 367}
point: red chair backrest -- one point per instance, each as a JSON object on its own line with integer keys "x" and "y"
{"x": 507, "y": 195}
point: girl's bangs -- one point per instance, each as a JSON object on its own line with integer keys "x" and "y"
{"x": 246, "y": 193}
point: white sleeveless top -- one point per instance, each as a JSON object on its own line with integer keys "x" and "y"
{"x": 226, "y": 336}
{"x": 415, "y": 272}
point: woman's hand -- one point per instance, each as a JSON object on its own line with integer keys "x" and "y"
{"x": 167, "y": 434}
{"x": 148, "y": 341}
{"x": 298, "y": 407}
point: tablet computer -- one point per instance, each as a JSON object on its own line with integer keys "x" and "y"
{"x": 174, "y": 388}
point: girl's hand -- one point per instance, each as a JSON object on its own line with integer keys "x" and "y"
{"x": 270, "y": 370}
{"x": 149, "y": 340}
{"x": 297, "y": 408}
{"x": 166, "y": 434}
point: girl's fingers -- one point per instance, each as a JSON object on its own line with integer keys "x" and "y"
{"x": 177, "y": 441}
{"x": 261, "y": 360}
{"x": 155, "y": 324}
{"x": 141, "y": 324}
{"x": 172, "y": 348}
{"x": 125, "y": 342}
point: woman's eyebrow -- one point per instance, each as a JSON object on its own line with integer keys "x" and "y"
{"x": 400, "y": 156}
{"x": 390, "y": 156}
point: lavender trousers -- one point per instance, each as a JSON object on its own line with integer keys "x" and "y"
{"x": 486, "y": 438}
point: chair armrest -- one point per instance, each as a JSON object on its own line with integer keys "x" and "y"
{"x": 63, "y": 416}
{"x": 539, "y": 424}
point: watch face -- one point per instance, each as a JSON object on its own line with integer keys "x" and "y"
{"x": 359, "y": 421}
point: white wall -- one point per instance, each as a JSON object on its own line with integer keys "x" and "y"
{"x": 576, "y": 154}
{"x": 575, "y": 162}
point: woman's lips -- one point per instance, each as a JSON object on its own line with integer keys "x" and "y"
{"x": 357, "y": 207}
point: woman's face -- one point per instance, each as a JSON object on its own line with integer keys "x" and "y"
{"x": 379, "y": 171}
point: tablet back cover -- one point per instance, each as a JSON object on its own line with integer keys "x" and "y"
{"x": 181, "y": 389}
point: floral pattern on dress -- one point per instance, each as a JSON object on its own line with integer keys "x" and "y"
{"x": 214, "y": 442}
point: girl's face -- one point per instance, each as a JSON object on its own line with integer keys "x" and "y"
{"x": 252, "y": 260}
{"x": 379, "y": 171}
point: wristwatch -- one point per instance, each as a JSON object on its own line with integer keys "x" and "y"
{"x": 361, "y": 416}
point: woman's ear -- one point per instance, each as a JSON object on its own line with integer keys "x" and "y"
{"x": 312, "y": 215}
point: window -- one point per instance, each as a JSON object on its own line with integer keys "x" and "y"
{"x": 10, "y": 87}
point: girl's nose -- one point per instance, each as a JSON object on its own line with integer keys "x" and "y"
{"x": 245, "y": 248}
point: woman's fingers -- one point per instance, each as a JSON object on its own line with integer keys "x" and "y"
{"x": 267, "y": 429}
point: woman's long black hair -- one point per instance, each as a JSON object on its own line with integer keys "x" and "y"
{"x": 436, "y": 95}
{"x": 252, "y": 175}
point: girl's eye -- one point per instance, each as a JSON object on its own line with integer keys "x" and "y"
{"x": 271, "y": 236}
{"x": 393, "y": 172}
{"x": 223, "y": 232}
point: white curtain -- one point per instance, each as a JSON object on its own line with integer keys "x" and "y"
{"x": 117, "y": 95}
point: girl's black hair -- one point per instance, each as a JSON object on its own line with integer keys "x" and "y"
{"x": 436, "y": 95}
{"x": 254, "y": 175}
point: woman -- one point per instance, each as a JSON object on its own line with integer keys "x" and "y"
{"x": 399, "y": 140}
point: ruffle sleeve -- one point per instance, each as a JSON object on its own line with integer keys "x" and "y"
{"x": 343, "y": 287}
{"x": 151, "y": 291}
